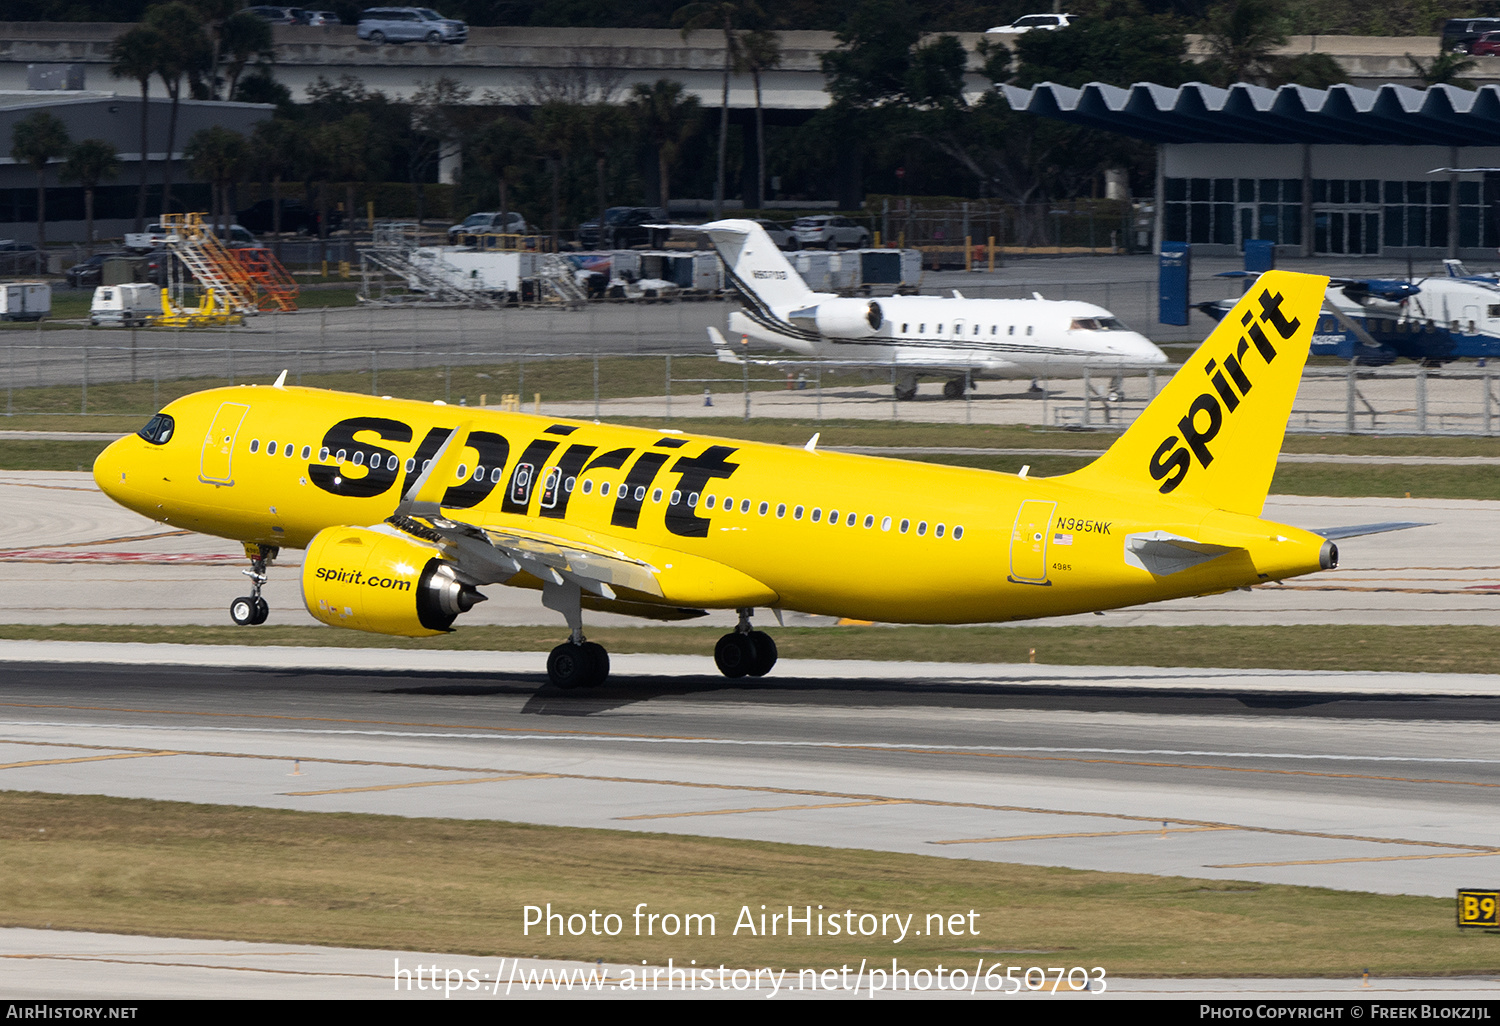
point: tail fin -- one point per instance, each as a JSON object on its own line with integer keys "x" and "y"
{"x": 1213, "y": 433}
{"x": 757, "y": 268}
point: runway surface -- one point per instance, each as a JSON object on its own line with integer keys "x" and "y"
{"x": 71, "y": 555}
{"x": 1347, "y": 781}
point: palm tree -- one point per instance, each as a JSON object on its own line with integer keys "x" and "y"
{"x": 276, "y": 147}
{"x": 721, "y": 14}
{"x": 759, "y": 51}
{"x": 36, "y": 140}
{"x": 184, "y": 51}
{"x": 668, "y": 118}
{"x": 220, "y": 155}
{"x": 244, "y": 38}
{"x": 495, "y": 147}
{"x": 89, "y": 163}
{"x": 347, "y": 150}
{"x": 1444, "y": 69}
{"x": 135, "y": 54}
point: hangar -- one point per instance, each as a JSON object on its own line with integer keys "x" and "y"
{"x": 1320, "y": 172}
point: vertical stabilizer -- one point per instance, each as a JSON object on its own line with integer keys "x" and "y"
{"x": 758, "y": 269}
{"x": 1213, "y": 434}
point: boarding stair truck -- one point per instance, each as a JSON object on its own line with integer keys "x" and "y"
{"x": 129, "y": 305}
{"x": 25, "y": 300}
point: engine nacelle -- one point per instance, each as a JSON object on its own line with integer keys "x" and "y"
{"x": 841, "y": 318}
{"x": 376, "y": 579}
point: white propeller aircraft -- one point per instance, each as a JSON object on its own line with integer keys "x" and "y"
{"x": 961, "y": 339}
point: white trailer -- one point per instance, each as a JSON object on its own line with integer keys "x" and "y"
{"x": 25, "y": 300}
{"x": 125, "y": 305}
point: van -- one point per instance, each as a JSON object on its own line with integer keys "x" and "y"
{"x": 25, "y": 300}
{"x": 125, "y": 306}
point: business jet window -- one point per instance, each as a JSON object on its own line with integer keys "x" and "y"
{"x": 1494, "y": 311}
{"x": 1028, "y": 329}
{"x": 904, "y": 328}
{"x": 1012, "y": 330}
{"x": 254, "y": 445}
{"x": 158, "y": 430}
{"x": 1111, "y": 324}
{"x": 1084, "y": 324}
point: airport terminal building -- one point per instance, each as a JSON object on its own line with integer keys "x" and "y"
{"x": 1340, "y": 171}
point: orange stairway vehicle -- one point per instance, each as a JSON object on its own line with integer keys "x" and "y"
{"x": 242, "y": 281}
{"x": 275, "y": 286}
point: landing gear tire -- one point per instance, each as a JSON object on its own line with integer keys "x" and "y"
{"x": 735, "y": 655}
{"x": 377, "y": 38}
{"x": 571, "y": 666}
{"x": 906, "y": 393}
{"x": 765, "y": 653}
{"x": 953, "y": 389}
{"x": 244, "y": 610}
{"x": 600, "y": 659}
{"x": 262, "y": 611}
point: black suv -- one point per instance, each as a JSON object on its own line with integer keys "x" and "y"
{"x": 1459, "y": 33}
{"x": 625, "y": 228}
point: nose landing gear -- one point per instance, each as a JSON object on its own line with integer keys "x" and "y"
{"x": 249, "y": 610}
{"x": 745, "y": 652}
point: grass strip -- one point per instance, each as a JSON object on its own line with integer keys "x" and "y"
{"x": 1416, "y": 649}
{"x": 256, "y": 874}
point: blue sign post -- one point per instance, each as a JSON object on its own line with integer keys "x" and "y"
{"x": 1176, "y": 270}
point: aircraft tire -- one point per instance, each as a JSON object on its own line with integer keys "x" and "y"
{"x": 570, "y": 666}
{"x": 734, "y": 655}
{"x": 243, "y": 610}
{"x": 906, "y": 395}
{"x": 953, "y": 389}
{"x": 598, "y": 663}
{"x": 765, "y": 654}
{"x": 262, "y": 611}
{"x": 377, "y": 38}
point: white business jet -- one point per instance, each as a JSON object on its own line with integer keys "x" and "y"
{"x": 963, "y": 340}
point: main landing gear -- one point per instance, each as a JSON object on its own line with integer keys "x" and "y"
{"x": 745, "y": 652}
{"x": 249, "y": 610}
{"x": 577, "y": 662}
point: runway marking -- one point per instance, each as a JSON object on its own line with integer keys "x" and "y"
{"x": 108, "y": 541}
{"x": 1369, "y": 858}
{"x": 768, "y": 808}
{"x": 812, "y": 793}
{"x": 50, "y": 488}
{"x": 201, "y": 965}
{"x": 420, "y": 783}
{"x": 89, "y": 758}
{"x": 1096, "y": 833}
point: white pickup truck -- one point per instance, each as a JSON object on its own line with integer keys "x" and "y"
{"x": 157, "y": 236}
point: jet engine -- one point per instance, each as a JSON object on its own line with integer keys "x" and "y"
{"x": 377, "y": 579}
{"x": 841, "y": 318}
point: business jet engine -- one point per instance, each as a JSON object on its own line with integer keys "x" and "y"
{"x": 377, "y": 579}
{"x": 841, "y": 318}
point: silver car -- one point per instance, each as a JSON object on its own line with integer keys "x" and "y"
{"x": 827, "y": 231}
{"x": 409, "y": 24}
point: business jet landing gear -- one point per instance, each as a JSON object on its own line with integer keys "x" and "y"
{"x": 745, "y": 652}
{"x": 955, "y": 389}
{"x": 577, "y": 662}
{"x": 906, "y": 388}
{"x": 249, "y": 610}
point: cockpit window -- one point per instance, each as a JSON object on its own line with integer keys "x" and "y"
{"x": 158, "y": 429}
{"x": 1111, "y": 324}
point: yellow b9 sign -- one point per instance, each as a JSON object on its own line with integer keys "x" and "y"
{"x": 1479, "y": 909}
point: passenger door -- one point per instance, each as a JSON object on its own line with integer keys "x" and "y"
{"x": 215, "y": 466}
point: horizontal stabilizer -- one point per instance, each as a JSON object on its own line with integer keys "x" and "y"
{"x": 1355, "y": 530}
{"x": 1162, "y": 554}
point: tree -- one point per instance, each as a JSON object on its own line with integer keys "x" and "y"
{"x": 219, "y": 155}
{"x": 245, "y": 38}
{"x": 276, "y": 149}
{"x": 667, "y": 118}
{"x": 1120, "y": 47}
{"x": 438, "y": 125}
{"x": 89, "y": 163}
{"x": 135, "y": 54}
{"x": 183, "y": 51}
{"x": 759, "y": 51}
{"x": 347, "y": 149}
{"x": 1242, "y": 39}
{"x": 36, "y": 140}
{"x": 721, "y": 14}
{"x": 496, "y": 147}
{"x": 1444, "y": 69}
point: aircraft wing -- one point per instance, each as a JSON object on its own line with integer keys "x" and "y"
{"x": 728, "y": 355}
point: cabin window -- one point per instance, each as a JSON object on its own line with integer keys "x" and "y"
{"x": 921, "y": 528}
{"x": 604, "y": 488}
{"x": 479, "y": 473}
{"x": 994, "y": 329}
{"x": 850, "y": 521}
{"x": 640, "y": 493}
{"x": 922, "y": 329}
{"x": 359, "y": 457}
{"x": 976, "y": 329}
{"x": 869, "y": 520}
{"x": 885, "y": 524}
{"x": 323, "y": 454}
{"x": 958, "y": 532}
{"x": 1494, "y": 311}
{"x": 270, "y": 448}
{"x": 693, "y": 500}
{"x": 765, "y": 507}
{"x": 904, "y": 329}
{"x": 780, "y": 511}
{"x": 656, "y": 495}
{"x": 676, "y": 497}
{"x": 289, "y": 450}
{"x": 938, "y": 531}
{"x": 463, "y": 468}
{"x": 939, "y": 329}
{"x": 709, "y": 501}
{"x": 391, "y": 462}
{"x": 341, "y": 455}
{"x": 817, "y": 514}
{"x": 797, "y": 513}
{"x": 425, "y": 463}
{"x": 1028, "y": 329}
{"x": 495, "y": 476}
{"x": 307, "y": 452}
{"x": 411, "y": 464}
{"x": 905, "y": 524}
{"x": 1012, "y": 330}
{"x": 833, "y": 518}
{"x": 255, "y": 445}
{"x": 744, "y": 505}
{"x": 588, "y": 487}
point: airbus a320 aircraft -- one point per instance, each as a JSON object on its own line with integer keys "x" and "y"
{"x": 406, "y": 509}
{"x": 963, "y": 340}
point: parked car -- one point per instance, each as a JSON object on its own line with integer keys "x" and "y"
{"x": 489, "y": 221}
{"x": 323, "y": 18}
{"x": 827, "y": 231}
{"x": 409, "y": 24}
{"x": 1459, "y": 34}
{"x": 1487, "y": 45}
{"x": 280, "y": 15}
{"x": 625, "y": 228}
{"x": 1047, "y": 22}
{"x": 19, "y": 258}
{"x": 779, "y": 233}
{"x": 89, "y": 273}
{"x": 296, "y": 217}
{"x": 157, "y": 268}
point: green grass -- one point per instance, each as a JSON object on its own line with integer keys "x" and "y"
{"x": 178, "y": 870}
{"x": 1424, "y": 649}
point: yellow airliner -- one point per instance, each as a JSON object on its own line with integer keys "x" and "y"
{"x": 407, "y": 508}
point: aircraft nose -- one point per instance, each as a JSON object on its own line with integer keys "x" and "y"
{"x": 110, "y": 472}
{"x": 1147, "y": 351}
